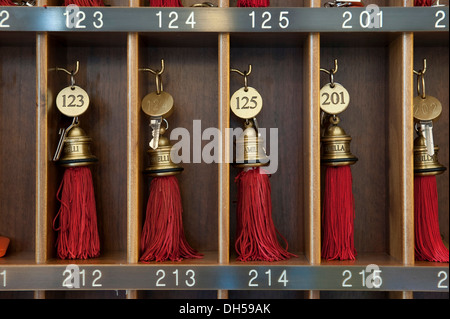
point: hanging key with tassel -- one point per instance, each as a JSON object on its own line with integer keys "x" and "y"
{"x": 76, "y": 221}
{"x": 338, "y": 210}
{"x": 428, "y": 244}
{"x": 163, "y": 236}
{"x": 256, "y": 234}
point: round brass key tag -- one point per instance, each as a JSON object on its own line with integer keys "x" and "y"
{"x": 426, "y": 109}
{"x": 246, "y": 104}
{"x": 72, "y": 101}
{"x": 155, "y": 104}
{"x": 334, "y": 99}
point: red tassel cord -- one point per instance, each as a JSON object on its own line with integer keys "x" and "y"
{"x": 165, "y": 3}
{"x": 428, "y": 244}
{"x": 77, "y": 231}
{"x": 4, "y": 243}
{"x": 7, "y": 3}
{"x": 338, "y": 214}
{"x": 253, "y": 3}
{"x": 85, "y": 3}
{"x": 163, "y": 235}
{"x": 423, "y": 3}
{"x": 256, "y": 235}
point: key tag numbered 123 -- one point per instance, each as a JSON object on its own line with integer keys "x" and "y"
{"x": 72, "y": 101}
{"x": 334, "y": 98}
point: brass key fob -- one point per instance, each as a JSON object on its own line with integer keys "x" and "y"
{"x": 157, "y": 106}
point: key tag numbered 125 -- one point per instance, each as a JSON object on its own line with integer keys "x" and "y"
{"x": 246, "y": 102}
{"x": 72, "y": 101}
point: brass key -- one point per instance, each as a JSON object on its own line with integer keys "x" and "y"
{"x": 427, "y": 129}
{"x": 155, "y": 124}
{"x": 157, "y": 106}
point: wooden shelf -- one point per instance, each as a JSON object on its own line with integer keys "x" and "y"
{"x": 375, "y": 65}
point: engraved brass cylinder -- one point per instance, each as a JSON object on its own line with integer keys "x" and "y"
{"x": 336, "y": 146}
{"x": 77, "y": 149}
{"x": 160, "y": 160}
{"x": 250, "y": 150}
{"x": 424, "y": 164}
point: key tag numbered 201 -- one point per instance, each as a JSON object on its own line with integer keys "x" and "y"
{"x": 246, "y": 102}
{"x": 334, "y": 97}
{"x": 72, "y": 101}
{"x": 426, "y": 107}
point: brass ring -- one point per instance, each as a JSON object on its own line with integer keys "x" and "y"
{"x": 421, "y": 77}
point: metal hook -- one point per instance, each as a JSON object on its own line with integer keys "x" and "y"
{"x": 71, "y": 73}
{"x": 423, "y": 70}
{"x": 157, "y": 73}
{"x": 331, "y": 72}
{"x": 245, "y": 75}
{"x": 421, "y": 78}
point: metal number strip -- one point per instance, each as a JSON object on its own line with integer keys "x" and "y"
{"x": 248, "y": 277}
{"x": 111, "y": 19}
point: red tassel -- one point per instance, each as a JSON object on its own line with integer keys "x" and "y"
{"x": 85, "y": 3}
{"x": 7, "y": 3}
{"x": 163, "y": 235}
{"x": 338, "y": 214}
{"x": 77, "y": 232}
{"x": 253, "y": 3}
{"x": 256, "y": 235}
{"x": 423, "y": 3}
{"x": 4, "y": 243}
{"x": 165, "y": 3}
{"x": 428, "y": 243}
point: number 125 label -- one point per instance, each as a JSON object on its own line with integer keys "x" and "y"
{"x": 266, "y": 21}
